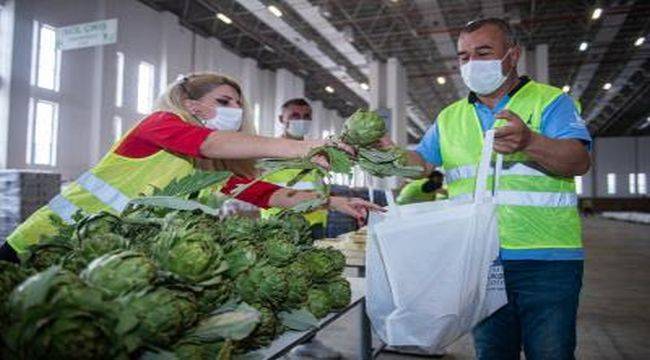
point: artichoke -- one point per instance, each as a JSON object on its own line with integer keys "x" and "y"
{"x": 98, "y": 224}
{"x": 265, "y": 331}
{"x": 100, "y": 244}
{"x": 289, "y": 225}
{"x": 297, "y": 292}
{"x": 323, "y": 264}
{"x": 43, "y": 255}
{"x": 55, "y": 315}
{"x": 63, "y": 333}
{"x": 192, "y": 256}
{"x": 239, "y": 229}
{"x": 363, "y": 128}
{"x": 198, "y": 351}
{"x": 339, "y": 292}
{"x": 10, "y": 276}
{"x": 279, "y": 251}
{"x": 319, "y": 302}
{"x": 157, "y": 315}
{"x": 241, "y": 257}
{"x": 263, "y": 284}
{"x": 120, "y": 273}
{"x": 213, "y": 296}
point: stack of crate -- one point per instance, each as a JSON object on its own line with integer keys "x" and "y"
{"x": 21, "y": 193}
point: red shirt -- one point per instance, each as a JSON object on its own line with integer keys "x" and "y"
{"x": 167, "y": 131}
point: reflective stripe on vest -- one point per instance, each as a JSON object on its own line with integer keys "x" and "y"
{"x": 300, "y": 185}
{"x": 469, "y": 171}
{"x": 64, "y": 208}
{"x": 102, "y": 190}
{"x": 529, "y": 198}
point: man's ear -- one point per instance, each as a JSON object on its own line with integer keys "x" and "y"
{"x": 516, "y": 55}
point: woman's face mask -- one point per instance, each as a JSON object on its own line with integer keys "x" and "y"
{"x": 227, "y": 115}
{"x": 225, "y": 119}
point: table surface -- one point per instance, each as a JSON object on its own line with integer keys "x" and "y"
{"x": 290, "y": 339}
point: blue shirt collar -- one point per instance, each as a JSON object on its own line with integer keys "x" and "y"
{"x": 472, "y": 98}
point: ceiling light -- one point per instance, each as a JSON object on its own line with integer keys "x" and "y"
{"x": 583, "y": 46}
{"x": 325, "y": 10}
{"x": 365, "y": 86}
{"x": 607, "y": 86}
{"x": 566, "y": 88}
{"x": 224, "y": 18}
{"x": 274, "y": 10}
{"x": 441, "y": 80}
{"x": 329, "y": 89}
{"x": 596, "y": 14}
{"x": 639, "y": 41}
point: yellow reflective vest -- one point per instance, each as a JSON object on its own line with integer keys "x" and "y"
{"x": 109, "y": 186}
{"x": 537, "y": 211}
{"x": 309, "y": 182}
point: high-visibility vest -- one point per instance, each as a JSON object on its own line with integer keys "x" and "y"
{"x": 536, "y": 209}
{"x": 309, "y": 182}
{"x": 109, "y": 186}
{"x": 412, "y": 193}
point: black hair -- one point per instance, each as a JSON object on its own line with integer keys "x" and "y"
{"x": 508, "y": 32}
{"x": 295, "y": 102}
{"x": 433, "y": 183}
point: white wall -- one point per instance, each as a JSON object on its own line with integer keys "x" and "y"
{"x": 88, "y": 76}
{"x": 621, "y": 156}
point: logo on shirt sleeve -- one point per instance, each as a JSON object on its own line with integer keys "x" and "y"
{"x": 578, "y": 122}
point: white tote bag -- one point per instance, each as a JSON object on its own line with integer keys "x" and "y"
{"x": 432, "y": 270}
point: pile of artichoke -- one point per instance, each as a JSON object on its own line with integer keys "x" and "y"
{"x": 166, "y": 281}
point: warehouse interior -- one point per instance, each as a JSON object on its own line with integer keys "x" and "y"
{"x": 63, "y": 108}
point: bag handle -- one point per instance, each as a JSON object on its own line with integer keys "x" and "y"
{"x": 392, "y": 205}
{"x": 483, "y": 172}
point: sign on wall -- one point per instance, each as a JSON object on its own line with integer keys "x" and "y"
{"x": 86, "y": 35}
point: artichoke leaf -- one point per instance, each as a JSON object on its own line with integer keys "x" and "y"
{"x": 298, "y": 320}
{"x": 231, "y": 325}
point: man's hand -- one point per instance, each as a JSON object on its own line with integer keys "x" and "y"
{"x": 513, "y": 136}
{"x": 385, "y": 142}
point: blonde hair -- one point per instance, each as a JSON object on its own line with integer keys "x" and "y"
{"x": 194, "y": 86}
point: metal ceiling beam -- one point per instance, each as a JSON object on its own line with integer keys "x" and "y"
{"x": 310, "y": 48}
{"x": 445, "y": 44}
{"x": 312, "y": 15}
{"x": 609, "y": 28}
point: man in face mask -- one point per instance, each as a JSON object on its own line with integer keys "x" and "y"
{"x": 545, "y": 144}
{"x": 296, "y": 119}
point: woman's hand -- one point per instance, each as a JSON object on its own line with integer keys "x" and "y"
{"x": 355, "y": 207}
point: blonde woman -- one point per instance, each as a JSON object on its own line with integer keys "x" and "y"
{"x": 199, "y": 123}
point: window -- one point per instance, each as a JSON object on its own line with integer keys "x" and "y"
{"x": 611, "y": 183}
{"x": 257, "y": 115}
{"x": 632, "y": 183}
{"x": 145, "y": 87}
{"x": 119, "y": 81}
{"x": 117, "y": 128}
{"x": 46, "y": 58}
{"x": 641, "y": 183}
{"x": 42, "y": 132}
{"x": 578, "y": 181}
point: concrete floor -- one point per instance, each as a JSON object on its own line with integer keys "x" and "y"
{"x": 614, "y": 318}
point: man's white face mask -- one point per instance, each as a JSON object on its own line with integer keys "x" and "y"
{"x": 483, "y": 76}
{"x": 225, "y": 119}
{"x": 298, "y": 128}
